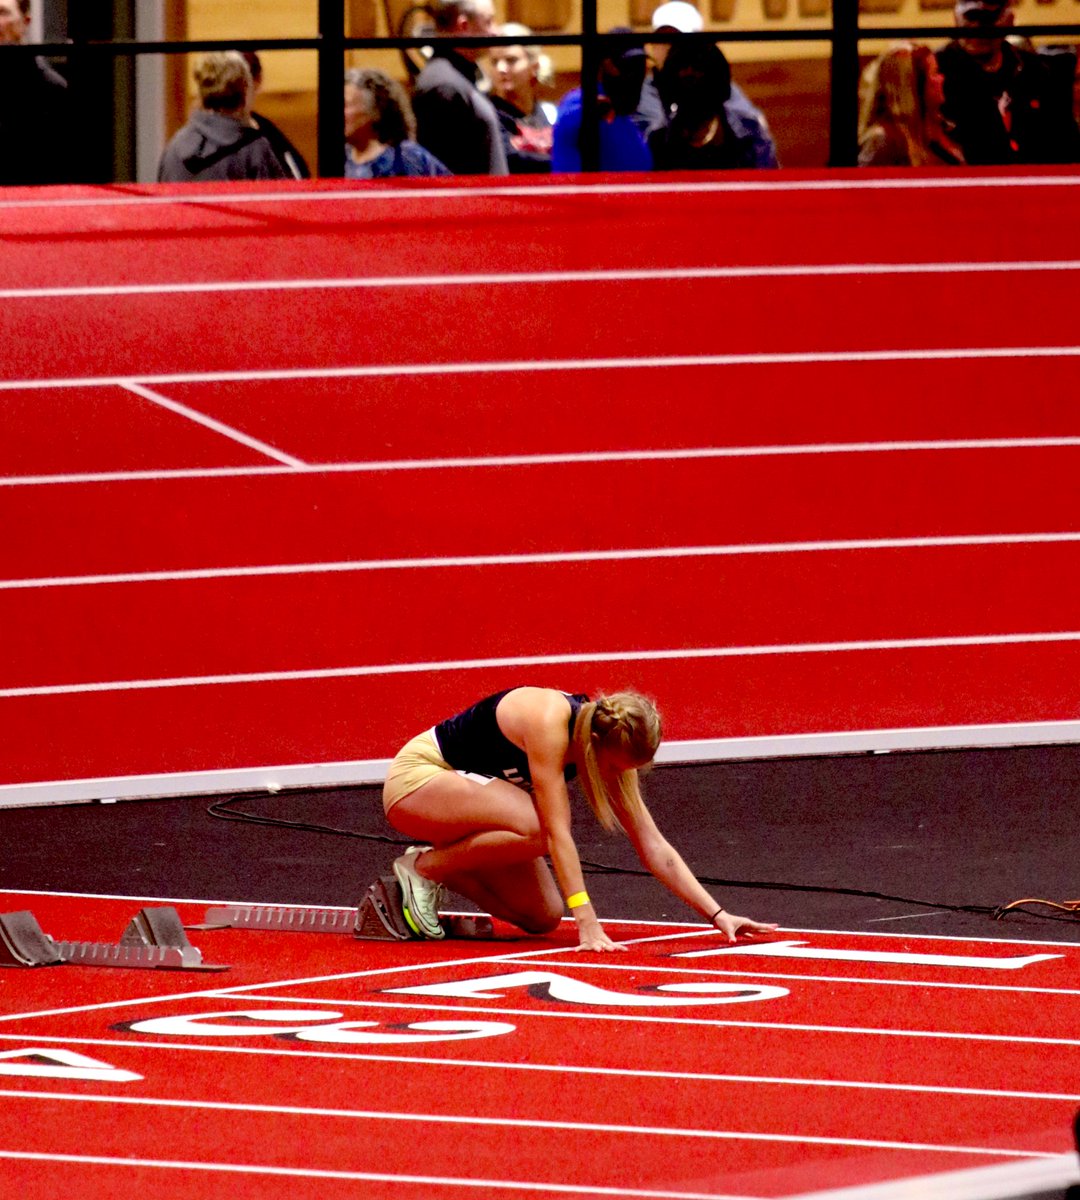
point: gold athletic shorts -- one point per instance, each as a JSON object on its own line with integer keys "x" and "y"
{"x": 416, "y": 762}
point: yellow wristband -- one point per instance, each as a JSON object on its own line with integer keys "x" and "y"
{"x": 577, "y": 899}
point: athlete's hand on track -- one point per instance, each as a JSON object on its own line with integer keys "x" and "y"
{"x": 731, "y": 925}
{"x": 598, "y": 940}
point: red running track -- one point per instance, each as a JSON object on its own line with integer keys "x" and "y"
{"x": 562, "y": 1073}
{"x": 312, "y": 660}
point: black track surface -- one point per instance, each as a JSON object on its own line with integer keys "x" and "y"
{"x": 788, "y": 838}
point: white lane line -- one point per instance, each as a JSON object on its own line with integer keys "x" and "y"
{"x": 368, "y": 772}
{"x": 410, "y": 967}
{"x": 360, "y": 1176}
{"x": 798, "y": 358}
{"x": 476, "y": 664}
{"x": 555, "y": 557}
{"x": 639, "y": 1018}
{"x": 678, "y": 929}
{"x": 393, "y": 1060}
{"x": 540, "y": 278}
{"x": 228, "y": 431}
{"x": 510, "y": 192}
{"x": 1049, "y": 1177}
{"x": 376, "y": 466}
{"x": 648, "y": 1131}
{"x": 936, "y": 912}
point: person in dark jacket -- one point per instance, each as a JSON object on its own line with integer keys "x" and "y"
{"x": 455, "y": 121}
{"x": 528, "y": 123}
{"x": 1003, "y": 102}
{"x": 283, "y": 147}
{"x": 35, "y": 111}
{"x": 702, "y": 134}
{"x": 221, "y": 141}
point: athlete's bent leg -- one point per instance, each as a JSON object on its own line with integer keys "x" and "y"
{"x": 487, "y": 845}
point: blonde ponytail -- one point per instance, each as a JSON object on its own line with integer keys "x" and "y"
{"x": 628, "y": 724}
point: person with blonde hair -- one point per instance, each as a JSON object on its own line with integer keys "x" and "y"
{"x": 221, "y": 139}
{"x": 485, "y": 791}
{"x": 900, "y": 121}
{"x": 517, "y": 75}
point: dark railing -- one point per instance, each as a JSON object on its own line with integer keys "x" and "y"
{"x": 332, "y": 41}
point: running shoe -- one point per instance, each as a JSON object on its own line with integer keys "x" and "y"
{"x": 420, "y": 897}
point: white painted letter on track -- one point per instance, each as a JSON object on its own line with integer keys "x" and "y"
{"x": 53, "y": 1063}
{"x": 317, "y": 1025}
{"x": 354, "y": 1033}
{"x": 549, "y": 985}
{"x": 245, "y": 1023}
{"x": 823, "y": 954}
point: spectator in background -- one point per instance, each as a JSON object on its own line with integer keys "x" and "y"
{"x": 900, "y": 121}
{"x": 1003, "y": 101}
{"x": 517, "y": 73}
{"x": 622, "y": 146}
{"x": 694, "y": 85}
{"x": 220, "y": 140}
{"x": 283, "y": 148}
{"x": 35, "y": 111}
{"x": 454, "y": 120}
{"x": 745, "y": 121}
{"x": 380, "y": 128}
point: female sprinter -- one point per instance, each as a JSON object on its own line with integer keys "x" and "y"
{"x": 453, "y": 788}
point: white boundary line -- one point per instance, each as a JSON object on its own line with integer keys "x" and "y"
{"x": 798, "y": 358}
{"x": 1021, "y": 1180}
{"x": 590, "y": 1127}
{"x": 378, "y": 466}
{"x": 255, "y": 992}
{"x": 602, "y": 190}
{"x": 554, "y": 557}
{"x": 226, "y": 993}
{"x": 678, "y": 929}
{"x": 360, "y": 1176}
{"x": 393, "y": 1059}
{"x": 368, "y": 772}
{"x": 211, "y": 423}
{"x": 988, "y": 1183}
{"x": 539, "y": 278}
{"x": 476, "y": 664}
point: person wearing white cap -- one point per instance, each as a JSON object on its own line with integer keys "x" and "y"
{"x": 747, "y": 127}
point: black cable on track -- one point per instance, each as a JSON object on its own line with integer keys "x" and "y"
{"x": 225, "y": 810}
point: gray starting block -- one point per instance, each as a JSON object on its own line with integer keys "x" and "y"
{"x": 281, "y": 920}
{"x": 155, "y": 939}
{"x": 23, "y": 943}
{"x": 378, "y": 918}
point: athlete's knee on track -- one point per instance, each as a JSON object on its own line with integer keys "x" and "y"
{"x": 544, "y": 920}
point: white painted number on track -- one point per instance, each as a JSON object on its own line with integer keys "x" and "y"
{"x": 802, "y": 950}
{"x": 297, "y": 1024}
{"x": 548, "y": 985}
{"x": 38, "y": 1063}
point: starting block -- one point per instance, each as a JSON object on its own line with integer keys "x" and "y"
{"x": 23, "y": 943}
{"x": 378, "y": 918}
{"x": 155, "y": 939}
{"x": 283, "y": 920}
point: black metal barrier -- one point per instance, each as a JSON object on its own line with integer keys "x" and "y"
{"x": 332, "y": 41}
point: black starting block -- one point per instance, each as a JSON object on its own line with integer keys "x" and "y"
{"x": 155, "y": 939}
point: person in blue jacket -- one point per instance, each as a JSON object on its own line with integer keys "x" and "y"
{"x": 622, "y": 146}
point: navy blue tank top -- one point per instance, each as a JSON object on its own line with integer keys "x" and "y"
{"x": 473, "y": 741}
